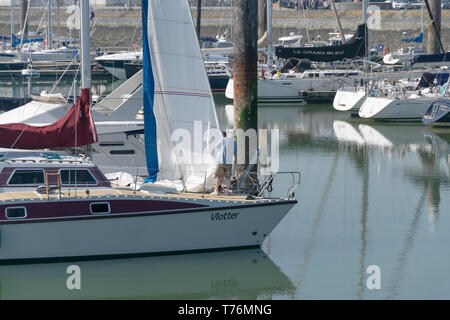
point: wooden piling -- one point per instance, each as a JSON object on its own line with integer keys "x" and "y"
{"x": 434, "y": 27}
{"x": 245, "y": 70}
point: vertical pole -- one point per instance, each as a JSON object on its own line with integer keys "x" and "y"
{"x": 269, "y": 35}
{"x": 434, "y": 28}
{"x": 199, "y": 17}
{"x": 85, "y": 45}
{"x": 23, "y": 14}
{"x": 13, "y": 9}
{"x": 49, "y": 25}
{"x": 58, "y": 5}
{"x": 365, "y": 5}
{"x": 341, "y": 30}
{"x": 245, "y": 71}
{"x": 262, "y": 18}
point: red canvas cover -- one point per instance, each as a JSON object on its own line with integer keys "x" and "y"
{"x": 57, "y": 135}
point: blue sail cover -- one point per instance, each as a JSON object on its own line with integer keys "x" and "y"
{"x": 418, "y": 39}
{"x": 16, "y": 41}
{"x": 151, "y": 151}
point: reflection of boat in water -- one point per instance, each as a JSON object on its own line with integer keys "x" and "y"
{"x": 246, "y": 274}
{"x": 381, "y": 135}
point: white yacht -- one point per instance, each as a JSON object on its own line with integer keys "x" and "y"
{"x": 115, "y": 63}
{"x": 294, "y": 87}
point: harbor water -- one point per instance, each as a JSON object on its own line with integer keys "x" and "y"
{"x": 372, "y": 194}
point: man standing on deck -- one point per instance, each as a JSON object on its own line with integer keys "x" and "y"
{"x": 225, "y": 150}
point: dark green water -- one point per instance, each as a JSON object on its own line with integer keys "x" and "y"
{"x": 371, "y": 194}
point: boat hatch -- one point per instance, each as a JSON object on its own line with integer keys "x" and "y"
{"x": 50, "y": 155}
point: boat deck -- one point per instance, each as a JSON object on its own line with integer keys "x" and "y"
{"x": 95, "y": 193}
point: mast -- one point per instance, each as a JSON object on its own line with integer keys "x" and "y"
{"x": 366, "y": 31}
{"x": 13, "y": 9}
{"x": 49, "y": 25}
{"x": 341, "y": 30}
{"x": 269, "y": 34}
{"x": 23, "y": 17}
{"x": 199, "y": 17}
{"x": 262, "y": 18}
{"x": 85, "y": 45}
{"x": 422, "y": 19}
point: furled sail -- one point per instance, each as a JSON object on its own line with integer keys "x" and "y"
{"x": 179, "y": 111}
{"x": 351, "y": 49}
{"x": 75, "y": 129}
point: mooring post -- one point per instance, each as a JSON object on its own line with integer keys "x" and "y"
{"x": 434, "y": 28}
{"x": 199, "y": 17}
{"x": 245, "y": 71}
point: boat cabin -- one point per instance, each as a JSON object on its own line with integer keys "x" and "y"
{"x": 39, "y": 171}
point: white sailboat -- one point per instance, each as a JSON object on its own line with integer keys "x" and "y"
{"x": 108, "y": 221}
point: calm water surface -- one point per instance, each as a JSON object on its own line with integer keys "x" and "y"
{"x": 371, "y": 194}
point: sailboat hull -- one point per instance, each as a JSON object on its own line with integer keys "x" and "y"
{"x": 394, "y": 109}
{"x": 347, "y": 99}
{"x": 219, "y": 226}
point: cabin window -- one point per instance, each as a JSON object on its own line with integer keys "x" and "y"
{"x": 77, "y": 176}
{"x": 16, "y": 213}
{"x": 111, "y": 144}
{"x": 100, "y": 207}
{"x": 122, "y": 152}
{"x": 27, "y": 177}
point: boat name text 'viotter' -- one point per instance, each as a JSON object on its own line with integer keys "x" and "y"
{"x": 224, "y": 216}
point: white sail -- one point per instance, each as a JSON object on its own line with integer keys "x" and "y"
{"x": 183, "y": 102}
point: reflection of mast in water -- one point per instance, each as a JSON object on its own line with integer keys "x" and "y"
{"x": 407, "y": 244}
{"x": 431, "y": 177}
{"x": 363, "y": 222}
{"x": 315, "y": 225}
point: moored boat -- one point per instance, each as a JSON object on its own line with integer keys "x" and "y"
{"x": 56, "y": 206}
{"x": 438, "y": 113}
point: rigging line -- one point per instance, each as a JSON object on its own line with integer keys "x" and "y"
{"x": 37, "y": 109}
{"x": 42, "y": 19}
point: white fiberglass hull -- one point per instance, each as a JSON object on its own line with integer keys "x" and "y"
{"x": 288, "y": 90}
{"x": 117, "y": 72}
{"x": 348, "y": 99}
{"x": 381, "y": 108}
{"x": 154, "y": 233}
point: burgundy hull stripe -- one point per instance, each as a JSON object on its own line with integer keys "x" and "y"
{"x": 129, "y": 213}
{"x": 62, "y": 209}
